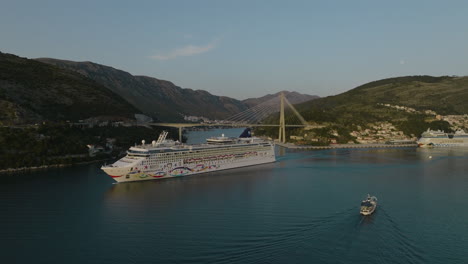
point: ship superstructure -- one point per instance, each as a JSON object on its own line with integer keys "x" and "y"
{"x": 432, "y": 138}
{"x": 166, "y": 158}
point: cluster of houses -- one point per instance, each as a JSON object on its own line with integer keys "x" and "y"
{"x": 100, "y": 122}
{"x": 457, "y": 122}
{"x": 408, "y": 109}
{"x": 196, "y": 119}
{"x": 384, "y": 132}
{"x": 205, "y": 120}
{"x": 103, "y": 121}
{"x": 380, "y": 132}
{"x": 96, "y": 149}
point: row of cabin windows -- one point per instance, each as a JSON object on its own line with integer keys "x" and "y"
{"x": 205, "y": 158}
{"x": 241, "y": 148}
{"x": 175, "y": 157}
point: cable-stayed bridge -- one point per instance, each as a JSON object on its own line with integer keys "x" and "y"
{"x": 261, "y": 115}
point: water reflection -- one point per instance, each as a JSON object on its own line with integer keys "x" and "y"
{"x": 428, "y": 153}
{"x": 303, "y": 207}
{"x": 367, "y": 219}
{"x": 247, "y": 177}
{"x": 386, "y": 156}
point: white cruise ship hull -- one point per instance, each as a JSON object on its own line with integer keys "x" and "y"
{"x": 124, "y": 174}
{"x": 432, "y": 138}
{"x": 437, "y": 142}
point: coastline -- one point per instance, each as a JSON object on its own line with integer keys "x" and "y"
{"x": 51, "y": 166}
{"x": 285, "y": 145}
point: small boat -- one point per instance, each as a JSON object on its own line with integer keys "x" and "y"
{"x": 368, "y": 205}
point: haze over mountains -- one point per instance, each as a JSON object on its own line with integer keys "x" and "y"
{"x": 293, "y": 98}
{"x": 162, "y": 99}
{"x": 49, "y": 89}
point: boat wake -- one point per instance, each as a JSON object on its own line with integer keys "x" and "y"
{"x": 403, "y": 246}
{"x": 350, "y": 237}
{"x": 275, "y": 246}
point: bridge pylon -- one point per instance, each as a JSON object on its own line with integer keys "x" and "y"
{"x": 252, "y": 117}
{"x": 282, "y": 125}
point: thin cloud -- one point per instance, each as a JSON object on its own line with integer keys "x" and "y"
{"x": 188, "y": 50}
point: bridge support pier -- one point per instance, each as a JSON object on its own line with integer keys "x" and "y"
{"x": 282, "y": 126}
{"x": 180, "y": 134}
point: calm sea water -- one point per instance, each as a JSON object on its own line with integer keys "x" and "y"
{"x": 302, "y": 209}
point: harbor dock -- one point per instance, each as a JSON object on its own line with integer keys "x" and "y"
{"x": 345, "y": 146}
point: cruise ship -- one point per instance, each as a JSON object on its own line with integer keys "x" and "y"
{"x": 432, "y": 138}
{"x": 166, "y": 158}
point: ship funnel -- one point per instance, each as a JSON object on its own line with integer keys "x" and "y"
{"x": 246, "y": 133}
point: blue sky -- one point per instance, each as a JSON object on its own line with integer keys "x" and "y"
{"x": 247, "y": 49}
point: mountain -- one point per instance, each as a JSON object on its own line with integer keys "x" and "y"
{"x": 162, "y": 99}
{"x": 292, "y": 97}
{"x": 444, "y": 95}
{"x": 157, "y": 98}
{"x": 32, "y": 91}
{"x": 377, "y": 102}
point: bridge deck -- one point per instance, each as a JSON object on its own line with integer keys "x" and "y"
{"x": 224, "y": 124}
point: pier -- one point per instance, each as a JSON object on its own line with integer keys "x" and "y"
{"x": 345, "y": 146}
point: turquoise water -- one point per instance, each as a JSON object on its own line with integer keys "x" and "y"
{"x": 302, "y": 209}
